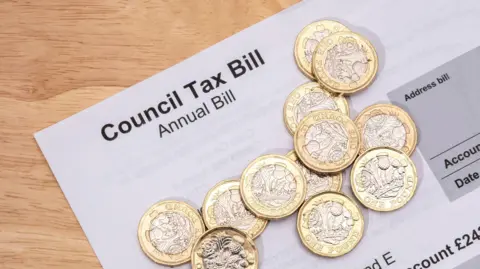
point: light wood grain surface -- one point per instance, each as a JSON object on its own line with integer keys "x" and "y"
{"x": 58, "y": 57}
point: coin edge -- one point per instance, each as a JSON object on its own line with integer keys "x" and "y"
{"x": 349, "y": 199}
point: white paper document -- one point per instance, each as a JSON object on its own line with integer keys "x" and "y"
{"x": 178, "y": 133}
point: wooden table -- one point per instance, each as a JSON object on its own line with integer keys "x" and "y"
{"x": 59, "y": 57}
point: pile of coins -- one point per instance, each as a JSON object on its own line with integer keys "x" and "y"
{"x": 308, "y": 179}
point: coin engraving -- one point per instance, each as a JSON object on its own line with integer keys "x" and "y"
{"x": 308, "y": 39}
{"x": 384, "y": 130}
{"x": 384, "y": 179}
{"x": 345, "y": 62}
{"x": 171, "y": 232}
{"x": 224, "y": 248}
{"x": 317, "y": 182}
{"x": 382, "y": 176}
{"x": 386, "y": 125}
{"x": 223, "y": 206}
{"x": 307, "y": 98}
{"x": 312, "y": 41}
{"x": 311, "y": 102}
{"x": 229, "y": 210}
{"x": 223, "y": 252}
{"x": 168, "y": 231}
{"x": 330, "y": 224}
{"x": 272, "y": 187}
{"x": 327, "y": 141}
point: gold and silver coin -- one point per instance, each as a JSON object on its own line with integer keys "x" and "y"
{"x": 345, "y": 62}
{"x": 327, "y": 141}
{"x": 386, "y": 125}
{"x": 308, "y": 39}
{"x": 273, "y": 187}
{"x": 330, "y": 224}
{"x": 223, "y": 206}
{"x": 224, "y": 247}
{"x": 384, "y": 179}
{"x": 317, "y": 182}
{"x": 307, "y": 98}
{"x": 168, "y": 231}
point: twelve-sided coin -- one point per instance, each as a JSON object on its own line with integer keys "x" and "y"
{"x": 168, "y": 231}
{"x": 327, "y": 141}
{"x": 384, "y": 179}
{"x": 345, "y": 62}
{"x": 330, "y": 224}
{"x": 273, "y": 187}
{"x": 386, "y": 125}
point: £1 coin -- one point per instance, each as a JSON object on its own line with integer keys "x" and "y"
{"x": 317, "y": 182}
{"x": 308, "y": 39}
{"x": 310, "y": 97}
{"x": 330, "y": 224}
{"x": 273, "y": 187}
{"x": 168, "y": 231}
{"x": 345, "y": 62}
{"x": 224, "y": 247}
{"x": 386, "y": 125}
{"x": 223, "y": 206}
{"x": 327, "y": 141}
{"x": 383, "y": 179}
